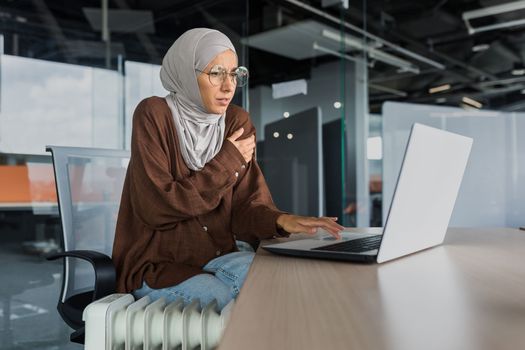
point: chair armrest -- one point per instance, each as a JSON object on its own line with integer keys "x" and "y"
{"x": 105, "y": 275}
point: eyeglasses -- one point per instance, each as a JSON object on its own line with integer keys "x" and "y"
{"x": 217, "y": 75}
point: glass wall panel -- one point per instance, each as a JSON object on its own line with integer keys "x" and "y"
{"x": 490, "y": 190}
{"x": 142, "y": 80}
{"x": 107, "y": 113}
{"x": 46, "y": 102}
{"x": 314, "y": 68}
{"x": 30, "y": 227}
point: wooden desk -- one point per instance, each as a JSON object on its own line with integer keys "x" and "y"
{"x": 466, "y": 294}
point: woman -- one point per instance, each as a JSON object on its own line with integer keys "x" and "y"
{"x": 192, "y": 186}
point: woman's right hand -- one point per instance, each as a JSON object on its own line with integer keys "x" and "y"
{"x": 245, "y": 146}
{"x": 309, "y": 224}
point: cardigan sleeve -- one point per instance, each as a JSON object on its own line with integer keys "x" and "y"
{"x": 159, "y": 200}
{"x": 254, "y": 214}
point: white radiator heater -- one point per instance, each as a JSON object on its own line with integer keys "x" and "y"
{"x": 118, "y": 322}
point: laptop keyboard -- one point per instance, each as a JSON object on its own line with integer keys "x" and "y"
{"x": 358, "y": 245}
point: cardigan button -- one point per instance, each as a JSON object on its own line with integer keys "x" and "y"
{"x": 205, "y": 228}
{"x": 218, "y": 252}
{"x": 243, "y": 166}
{"x": 236, "y": 174}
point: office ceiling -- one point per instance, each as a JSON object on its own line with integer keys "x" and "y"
{"x": 68, "y": 31}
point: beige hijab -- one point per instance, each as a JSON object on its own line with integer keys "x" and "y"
{"x": 200, "y": 133}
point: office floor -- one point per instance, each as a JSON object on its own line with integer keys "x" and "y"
{"x": 28, "y": 296}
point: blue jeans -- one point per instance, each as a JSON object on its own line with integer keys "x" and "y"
{"x": 227, "y": 275}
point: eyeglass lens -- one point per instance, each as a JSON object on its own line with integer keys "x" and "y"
{"x": 218, "y": 73}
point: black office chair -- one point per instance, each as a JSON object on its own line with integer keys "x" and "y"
{"x": 89, "y": 184}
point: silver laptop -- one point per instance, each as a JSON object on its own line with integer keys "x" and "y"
{"x": 424, "y": 198}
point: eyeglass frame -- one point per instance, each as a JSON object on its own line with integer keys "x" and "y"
{"x": 231, "y": 74}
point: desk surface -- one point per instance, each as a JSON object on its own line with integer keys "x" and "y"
{"x": 468, "y": 293}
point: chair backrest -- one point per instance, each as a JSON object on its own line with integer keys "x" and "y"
{"x": 89, "y": 185}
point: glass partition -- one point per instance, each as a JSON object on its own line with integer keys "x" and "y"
{"x": 317, "y": 69}
{"x": 46, "y": 102}
{"x": 490, "y": 192}
{"x": 142, "y": 80}
{"x": 30, "y": 226}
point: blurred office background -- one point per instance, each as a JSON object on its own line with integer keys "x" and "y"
{"x": 334, "y": 89}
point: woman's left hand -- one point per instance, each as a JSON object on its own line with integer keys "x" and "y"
{"x": 309, "y": 225}
{"x": 245, "y": 146}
